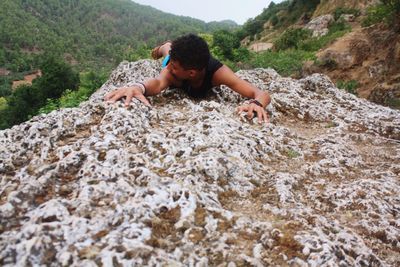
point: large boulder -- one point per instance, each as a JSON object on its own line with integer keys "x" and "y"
{"x": 319, "y": 26}
{"x": 191, "y": 183}
{"x": 261, "y": 46}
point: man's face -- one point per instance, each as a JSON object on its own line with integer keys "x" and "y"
{"x": 175, "y": 68}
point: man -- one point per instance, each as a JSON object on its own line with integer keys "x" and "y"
{"x": 189, "y": 65}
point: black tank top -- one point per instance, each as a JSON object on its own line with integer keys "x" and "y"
{"x": 205, "y": 88}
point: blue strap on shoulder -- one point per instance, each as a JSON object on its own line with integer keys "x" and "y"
{"x": 165, "y": 61}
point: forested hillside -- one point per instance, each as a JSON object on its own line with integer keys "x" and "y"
{"x": 355, "y": 42}
{"x": 280, "y": 16}
{"x": 86, "y": 36}
{"x": 87, "y": 33}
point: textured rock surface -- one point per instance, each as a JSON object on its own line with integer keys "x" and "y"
{"x": 319, "y": 25}
{"x": 192, "y": 183}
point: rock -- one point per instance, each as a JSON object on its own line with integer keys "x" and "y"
{"x": 261, "y": 46}
{"x": 89, "y": 252}
{"x": 360, "y": 49}
{"x": 332, "y": 59}
{"x": 7, "y": 210}
{"x": 347, "y": 17}
{"x": 319, "y": 25}
{"x": 190, "y": 182}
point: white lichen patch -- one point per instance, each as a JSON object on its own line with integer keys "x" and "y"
{"x": 192, "y": 183}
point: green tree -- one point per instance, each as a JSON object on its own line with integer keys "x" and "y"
{"x": 92, "y": 33}
{"x": 26, "y": 100}
{"x": 57, "y": 76}
{"x": 94, "y": 80}
{"x": 226, "y": 42}
{"x": 292, "y": 38}
{"x": 90, "y": 82}
{"x": 21, "y": 104}
{"x": 5, "y": 86}
{"x": 3, "y": 103}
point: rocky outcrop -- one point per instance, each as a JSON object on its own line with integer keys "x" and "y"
{"x": 319, "y": 26}
{"x": 191, "y": 183}
{"x": 260, "y": 46}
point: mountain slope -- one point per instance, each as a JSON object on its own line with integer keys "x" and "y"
{"x": 364, "y": 60}
{"x": 371, "y": 57}
{"x": 86, "y": 31}
{"x": 329, "y": 6}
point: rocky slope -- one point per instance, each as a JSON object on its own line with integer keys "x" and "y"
{"x": 370, "y": 56}
{"x": 329, "y": 6}
{"x": 191, "y": 183}
{"x": 367, "y": 56}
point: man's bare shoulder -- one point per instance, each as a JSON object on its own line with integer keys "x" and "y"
{"x": 224, "y": 75}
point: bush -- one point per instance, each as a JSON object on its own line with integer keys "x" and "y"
{"x": 336, "y": 30}
{"x": 3, "y": 103}
{"x": 3, "y": 121}
{"x": 93, "y": 80}
{"x": 26, "y": 100}
{"x": 376, "y": 14}
{"x": 51, "y": 104}
{"x": 350, "y": 86}
{"x": 5, "y": 87}
{"x": 241, "y": 54}
{"x": 342, "y": 10}
{"x": 328, "y": 63}
{"x": 274, "y": 19}
{"x": 6, "y": 82}
{"x": 90, "y": 82}
{"x": 338, "y": 26}
{"x": 394, "y": 11}
{"x": 292, "y": 38}
{"x": 292, "y": 154}
{"x": 224, "y": 44}
{"x": 140, "y": 52}
{"x": 388, "y": 11}
{"x": 22, "y": 104}
{"x": 394, "y": 103}
{"x": 286, "y": 63}
{"x": 57, "y": 77}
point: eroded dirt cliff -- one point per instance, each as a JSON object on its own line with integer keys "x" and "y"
{"x": 371, "y": 57}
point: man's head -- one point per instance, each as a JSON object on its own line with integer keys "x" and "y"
{"x": 190, "y": 51}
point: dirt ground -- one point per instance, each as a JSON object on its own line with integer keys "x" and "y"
{"x": 27, "y": 79}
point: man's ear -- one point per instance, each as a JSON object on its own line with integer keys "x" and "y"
{"x": 192, "y": 73}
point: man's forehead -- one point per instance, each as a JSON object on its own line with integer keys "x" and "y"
{"x": 176, "y": 64}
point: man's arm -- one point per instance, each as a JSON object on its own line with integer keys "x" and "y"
{"x": 152, "y": 87}
{"x": 226, "y": 76}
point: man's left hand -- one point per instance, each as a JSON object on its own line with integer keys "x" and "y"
{"x": 252, "y": 110}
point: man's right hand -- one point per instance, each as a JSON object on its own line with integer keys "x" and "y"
{"x": 128, "y": 93}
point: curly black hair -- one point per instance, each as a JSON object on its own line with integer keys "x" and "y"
{"x": 191, "y": 51}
